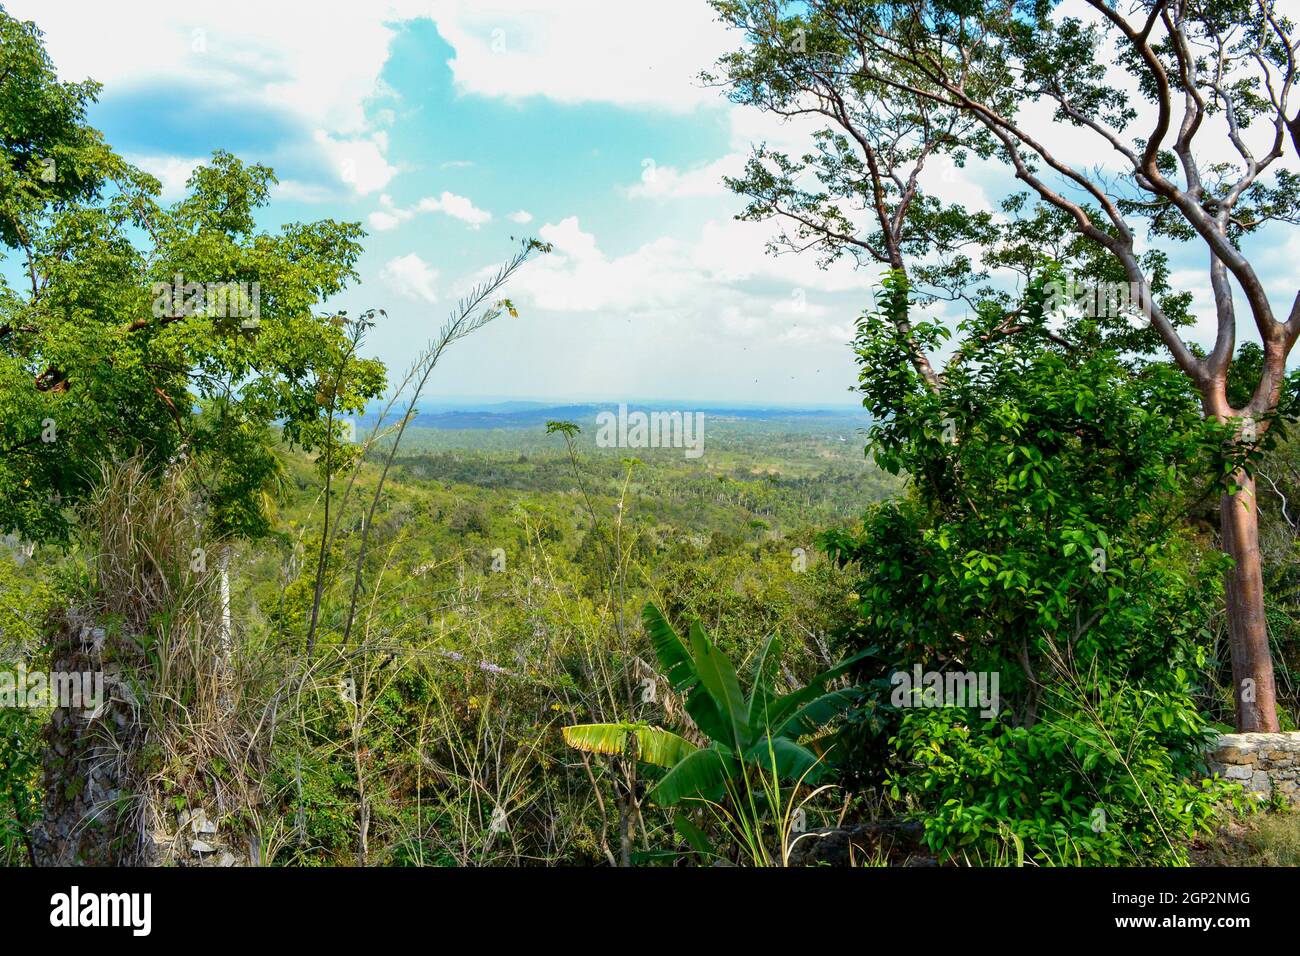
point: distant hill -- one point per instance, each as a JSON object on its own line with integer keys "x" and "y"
{"x": 521, "y": 414}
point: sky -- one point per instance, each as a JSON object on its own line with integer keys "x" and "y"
{"x": 447, "y": 127}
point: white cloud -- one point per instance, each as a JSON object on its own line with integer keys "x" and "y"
{"x": 381, "y": 221}
{"x": 569, "y": 240}
{"x": 171, "y": 171}
{"x": 458, "y": 207}
{"x": 282, "y": 55}
{"x": 324, "y": 70}
{"x": 719, "y": 285}
{"x": 358, "y": 162}
{"x": 522, "y": 48}
{"x": 521, "y": 216}
{"x": 668, "y": 182}
{"x": 733, "y": 251}
{"x": 390, "y": 216}
{"x": 295, "y": 191}
{"x": 240, "y": 55}
{"x": 325, "y": 67}
{"x": 411, "y": 276}
{"x": 797, "y": 304}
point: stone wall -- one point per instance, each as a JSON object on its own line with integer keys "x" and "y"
{"x": 1265, "y": 764}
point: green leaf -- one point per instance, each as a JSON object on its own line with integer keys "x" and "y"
{"x": 693, "y": 835}
{"x": 702, "y": 774}
{"x": 672, "y": 654}
{"x": 719, "y": 678}
{"x": 704, "y": 711}
{"x": 781, "y": 710}
{"x": 662, "y": 748}
{"x": 598, "y": 738}
{"x": 760, "y": 691}
{"x": 816, "y": 713}
{"x": 792, "y": 761}
{"x": 654, "y": 745}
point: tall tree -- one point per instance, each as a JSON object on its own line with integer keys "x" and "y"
{"x": 135, "y": 336}
{"x": 858, "y": 191}
{"x": 1160, "y": 85}
{"x": 138, "y": 329}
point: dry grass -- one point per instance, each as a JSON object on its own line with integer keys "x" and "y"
{"x": 1262, "y": 839}
{"x": 196, "y": 692}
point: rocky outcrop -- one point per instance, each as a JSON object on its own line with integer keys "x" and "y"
{"x": 881, "y": 843}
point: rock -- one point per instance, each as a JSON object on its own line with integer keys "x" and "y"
{"x": 200, "y": 824}
{"x": 893, "y": 842}
{"x": 200, "y": 847}
{"x": 1234, "y": 755}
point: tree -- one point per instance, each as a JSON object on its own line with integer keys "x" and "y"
{"x": 1040, "y": 553}
{"x": 867, "y": 162}
{"x": 140, "y": 329}
{"x": 142, "y": 346}
{"x": 1211, "y": 75}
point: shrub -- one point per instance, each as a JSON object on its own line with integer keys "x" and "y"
{"x": 1041, "y": 542}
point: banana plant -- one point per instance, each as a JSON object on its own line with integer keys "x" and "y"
{"x": 758, "y": 732}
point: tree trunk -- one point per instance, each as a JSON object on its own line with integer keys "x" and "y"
{"x": 1252, "y": 664}
{"x": 95, "y": 809}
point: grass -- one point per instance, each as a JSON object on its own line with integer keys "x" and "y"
{"x": 1263, "y": 839}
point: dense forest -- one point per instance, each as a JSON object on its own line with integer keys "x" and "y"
{"x": 1015, "y": 608}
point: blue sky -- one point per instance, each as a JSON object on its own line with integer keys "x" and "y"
{"x": 447, "y": 127}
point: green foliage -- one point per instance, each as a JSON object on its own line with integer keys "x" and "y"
{"x": 1244, "y": 375}
{"x": 816, "y": 195}
{"x": 50, "y": 154}
{"x": 1110, "y": 779}
{"x": 473, "y": 664}
{"x": 1042, "y": 541}
{"x": 20, "y": 781}
{"x": 1047, "y": 470}
{"x": 26, "y": 599}
{"x": 1047, "y": 491}
{"x": 746, "y": 733}
{"x": 741, "y": 787}
{"x": 130, "y": 316}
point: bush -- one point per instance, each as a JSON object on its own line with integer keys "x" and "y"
{"x": 1042, "y": 543}
{"x": 1115, "y": 783}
